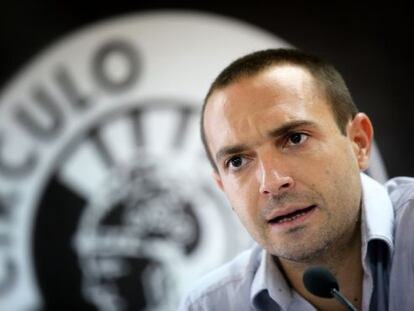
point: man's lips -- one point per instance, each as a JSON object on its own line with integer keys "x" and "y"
{"x": 290, "y": 214}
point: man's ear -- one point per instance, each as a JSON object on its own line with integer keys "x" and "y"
{"x": 218, "y": 180}
{"x": 361, "y": 133}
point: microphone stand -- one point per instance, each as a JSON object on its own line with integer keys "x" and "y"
{"x": 338, "y": 296}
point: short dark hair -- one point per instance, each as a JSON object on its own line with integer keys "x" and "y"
{"x": 325, "y": 75}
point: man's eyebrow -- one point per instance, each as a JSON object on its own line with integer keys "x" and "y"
{"x": 290, "y": 126}
{"x": 285, "y": 128}
{"x": 229, "y": 150}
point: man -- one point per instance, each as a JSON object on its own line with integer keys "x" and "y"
{"x": 288, "y": 145}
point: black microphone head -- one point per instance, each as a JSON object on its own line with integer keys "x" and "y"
{"x": 320, "y": 282}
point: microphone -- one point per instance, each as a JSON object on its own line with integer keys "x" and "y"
{"x": 320, "y": 282}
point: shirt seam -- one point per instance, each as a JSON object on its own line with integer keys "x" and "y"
{"x": 402, "y": 205}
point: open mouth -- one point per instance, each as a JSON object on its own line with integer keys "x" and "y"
{"x": 292, "y": 216}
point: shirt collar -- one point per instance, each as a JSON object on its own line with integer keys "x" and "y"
{"x": 377, "y": 216}
{"x": 269, "y": 281}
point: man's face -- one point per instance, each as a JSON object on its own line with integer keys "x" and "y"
{"x": 288, "y": 172}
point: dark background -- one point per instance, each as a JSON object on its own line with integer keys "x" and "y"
{"x": 368, "y": 43}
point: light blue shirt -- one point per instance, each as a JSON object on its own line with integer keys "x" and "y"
{"x": 252, "y": 281}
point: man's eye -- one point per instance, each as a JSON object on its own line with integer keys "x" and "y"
{"x": 235, "y": 162}
{"x": 297, "y": 138}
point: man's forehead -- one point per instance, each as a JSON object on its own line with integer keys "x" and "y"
{"x": 282, "y": 92}
{"x": 273, "y": 81}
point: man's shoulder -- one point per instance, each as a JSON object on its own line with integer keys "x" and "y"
{"x": 225, "y": 284}
{"x": 401, "y": 192}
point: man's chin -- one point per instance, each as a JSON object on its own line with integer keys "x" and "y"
{"x": 301, "y": 255}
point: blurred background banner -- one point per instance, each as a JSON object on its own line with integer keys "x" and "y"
{"x": 106, "y": 198}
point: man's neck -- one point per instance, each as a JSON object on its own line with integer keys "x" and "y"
{"x": 345, "y": 264}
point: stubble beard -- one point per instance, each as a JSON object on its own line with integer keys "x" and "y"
{"x": 329, "y": 244}
{"x": 309, "y": 252}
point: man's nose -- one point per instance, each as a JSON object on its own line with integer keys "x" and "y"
{"x": 273, "y": 179}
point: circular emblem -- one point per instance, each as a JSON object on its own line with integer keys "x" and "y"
{"x": 106, "y": 198}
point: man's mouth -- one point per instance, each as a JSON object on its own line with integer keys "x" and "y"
{"x": 292, "y": 216}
